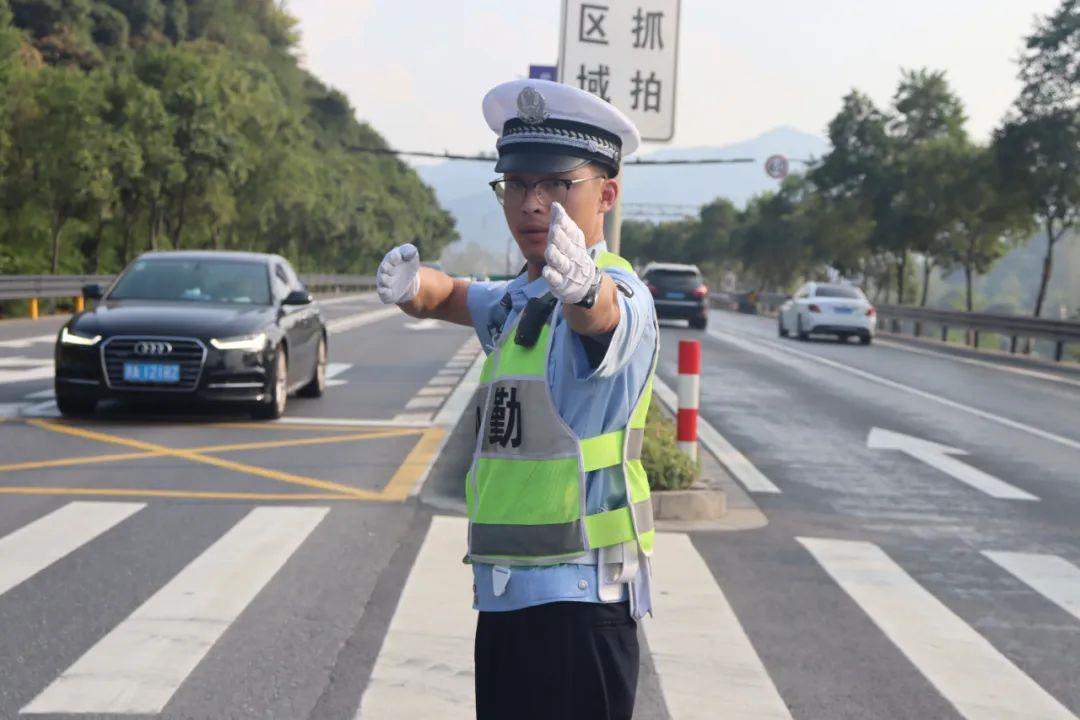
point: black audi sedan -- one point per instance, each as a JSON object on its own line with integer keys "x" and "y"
{"x": 217, "y": 327}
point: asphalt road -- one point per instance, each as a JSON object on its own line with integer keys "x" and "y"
{"x": 157, "y": 566}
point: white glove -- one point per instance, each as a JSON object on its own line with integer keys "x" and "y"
{"x": 398, "y": 279}
{"x": 570, "y": 271}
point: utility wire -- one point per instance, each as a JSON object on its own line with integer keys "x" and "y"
{"x": 492, "y": 158}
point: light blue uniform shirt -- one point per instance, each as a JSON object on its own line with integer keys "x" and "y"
{"x": 592, "y": 402}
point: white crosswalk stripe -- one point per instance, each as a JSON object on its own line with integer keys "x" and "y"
{"x": 138, "y": 666}
{"x": 705, "y": 657}
{"x": 980, "y": 682}
{"x": 424, "y": 669}
{"x": 700, "y": 650}
{"x": 1055, "y": 578}
{"x": 31, "y": 549}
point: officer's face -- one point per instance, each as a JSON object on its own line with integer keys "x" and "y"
{"x": 585, "y": 203}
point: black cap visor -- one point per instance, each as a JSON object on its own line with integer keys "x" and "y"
{"x": 538, "y": 163}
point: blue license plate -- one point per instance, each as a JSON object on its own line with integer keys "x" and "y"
{"x": 676, "y": 296}
{"x": 151, "y": 372}
{"x": 843, "y": 310}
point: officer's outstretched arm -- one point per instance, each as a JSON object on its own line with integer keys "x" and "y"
{"x": 422, "y": 292}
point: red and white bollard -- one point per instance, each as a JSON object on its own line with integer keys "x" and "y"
{"x": 689, "y": 391}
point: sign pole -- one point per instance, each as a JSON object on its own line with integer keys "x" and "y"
{"x": 613, "y": 220}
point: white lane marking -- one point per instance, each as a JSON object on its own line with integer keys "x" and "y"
{"x": 425, "y": 666}
{"x": 1028, "y": 372}
{"x": 28, "y": 341}
{"x": 138, "y": 666}
{"x": 420, "y": 402}
{"x": 772, "y": 351}
{"x": 442, "y": 380}
{"x": 938, "y": 456}
{"x": 414, "y": 417}
{"x": 1053, "y": 577}
{"x": 434, "y": 391}
{"x": 34, "y": 547}
{"x": 48, "y": 394}
{"x": 347, "y": 298}
{"x": 10, "y": 410}
{"x": 351, "y": 322}
{"x": 427, "y": 324}
{"x": 736, "y": 463}
{"x": 965, "y": 668}
{"x": 46, "y": 409}
{"x": 462, "y": 395}
{"x": 41, "y": 372}
{"x": 333, "y": 370}
{"x": 706, "y": 662}
{"x": 450, "y": 414}
{"x": 22, "y": 362}
{"x": 349, "y": 422}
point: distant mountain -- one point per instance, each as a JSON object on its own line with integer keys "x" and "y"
{"x": 461, "y": 186}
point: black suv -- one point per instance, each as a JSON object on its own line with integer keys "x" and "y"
{"x": 678, "y": 292}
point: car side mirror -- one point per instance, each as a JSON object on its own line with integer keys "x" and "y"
{"x": 298, "y": 297}
{"x": 92, "y": 292}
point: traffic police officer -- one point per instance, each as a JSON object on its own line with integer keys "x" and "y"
{"x": 560, "y": 522}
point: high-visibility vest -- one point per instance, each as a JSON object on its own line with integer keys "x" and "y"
{"x": 525, "y": 491}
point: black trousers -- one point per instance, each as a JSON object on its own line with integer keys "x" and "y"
{"x": 559, "y": 661}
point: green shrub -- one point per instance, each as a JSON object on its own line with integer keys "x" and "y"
{"x": 667, "y": 467}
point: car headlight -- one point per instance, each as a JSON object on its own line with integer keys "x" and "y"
{"x": 248, "y": 343}
{"x": 69, "y": 338}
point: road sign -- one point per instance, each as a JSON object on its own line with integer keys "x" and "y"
{"x": 543, "y": 72}
{"x": 777, "y": 167}
{"x": 624, "y": 52}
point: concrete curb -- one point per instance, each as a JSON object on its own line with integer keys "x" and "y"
{"x": 740, "y": 511}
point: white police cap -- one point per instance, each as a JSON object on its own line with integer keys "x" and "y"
{"x": 549, "y": 127}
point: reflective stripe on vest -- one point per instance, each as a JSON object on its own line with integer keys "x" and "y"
{"x": 525, "y": 491}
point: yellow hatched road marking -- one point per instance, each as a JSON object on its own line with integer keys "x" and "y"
{"x": 244, "y": 468}
{"x": 122, "y": 457}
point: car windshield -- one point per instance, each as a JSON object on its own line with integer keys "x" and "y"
{"x": 673, "y": 277}
{"x": 836, "y": 291}
{"x": 222, "y": 281}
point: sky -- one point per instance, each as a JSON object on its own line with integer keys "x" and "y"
{"x": 416, "y": 70}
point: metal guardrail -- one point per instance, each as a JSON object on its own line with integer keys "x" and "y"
{"x": 1060, "y": 332}
{"x": 25, "y": 287}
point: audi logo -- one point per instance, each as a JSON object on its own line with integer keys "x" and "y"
{"x": 152, "y": 348}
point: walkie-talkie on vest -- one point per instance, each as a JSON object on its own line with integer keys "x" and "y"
{"x": 533, "y": 318}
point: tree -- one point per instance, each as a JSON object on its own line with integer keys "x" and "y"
{"x": 68, "y": 164}
{"x": 986, "y": 220}
{"x": 1038, "y": 145}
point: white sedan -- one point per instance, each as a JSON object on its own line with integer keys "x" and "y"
{"x": 828, "y": 309}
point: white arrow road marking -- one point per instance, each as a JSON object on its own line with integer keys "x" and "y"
{"x": 939, "y": 456}
{"x": 1053, "y": 577}
{"x": 428, "y": 324}
{"x": 333, "y": 370}
{"x": 48, "y": 394}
